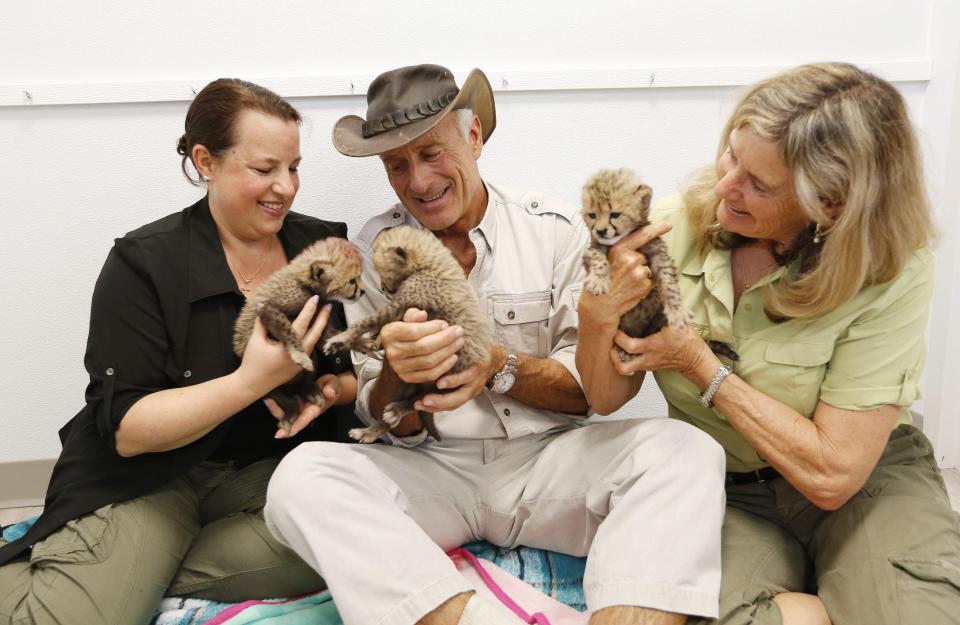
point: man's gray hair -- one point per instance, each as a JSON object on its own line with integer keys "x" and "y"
{"x": 465, "y": 121}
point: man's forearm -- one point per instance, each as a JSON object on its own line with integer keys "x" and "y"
{"x": 545, "y": 383}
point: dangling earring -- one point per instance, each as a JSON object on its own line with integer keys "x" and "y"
{"x": 817, "y": 232}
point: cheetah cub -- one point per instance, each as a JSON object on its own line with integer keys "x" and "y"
{"x": 615, "y": 203}
{"x": 329, "y": 268}
{"x": 417, "y": 271}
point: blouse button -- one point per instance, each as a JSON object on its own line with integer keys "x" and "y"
{"x": 337, "y": 360}
{"x": 506, "y": 412}
{"x": 187, "y": 373}
{"x": 109, "y": 370}
{"x": 396, "y": 215}
{"x": 511, "y": 315}
{"x": 534, "y": 204}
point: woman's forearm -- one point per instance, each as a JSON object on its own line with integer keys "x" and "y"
{"x": 826, "y": 458}
{"x": 175, "y": 417}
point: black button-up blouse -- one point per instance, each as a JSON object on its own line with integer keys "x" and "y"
{"x": 162, "y": 317}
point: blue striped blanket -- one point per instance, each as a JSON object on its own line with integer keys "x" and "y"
{"x": 554, "y": 574}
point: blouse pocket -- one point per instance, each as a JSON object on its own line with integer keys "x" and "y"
{"x": 521, "y": 322}
{"x": 794, "y": 373}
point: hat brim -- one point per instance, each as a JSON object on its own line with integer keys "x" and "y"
{"x": 476, "y": 94}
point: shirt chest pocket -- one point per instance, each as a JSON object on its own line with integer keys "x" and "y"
{"x": 521, "y": 321}
{"x": 794, "y": 373}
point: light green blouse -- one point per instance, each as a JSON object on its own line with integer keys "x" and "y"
{"x": 867, "y": 353}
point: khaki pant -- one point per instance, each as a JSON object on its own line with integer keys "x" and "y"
{"x": 643, "y": 499}
{"x": 201, "y": 536}
{"x": 890, "y": 555}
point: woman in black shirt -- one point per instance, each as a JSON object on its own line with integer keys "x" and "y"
{"x": 163, "y": 474}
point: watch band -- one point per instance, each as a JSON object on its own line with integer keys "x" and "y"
{"x": 706, "y": 397}
{"x": 504, "y": 379}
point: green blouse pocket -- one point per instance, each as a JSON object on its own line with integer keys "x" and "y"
{"x": 794, "y": 373}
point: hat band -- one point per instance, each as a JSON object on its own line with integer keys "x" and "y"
{"x": 402, "y": 117}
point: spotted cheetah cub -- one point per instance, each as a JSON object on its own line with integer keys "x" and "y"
{"x": 417, "y": 271}
{"x": 329, "y": 268}
{"x": 615, "y": 203}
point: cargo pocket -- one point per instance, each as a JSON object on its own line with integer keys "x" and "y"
{"x": 87, "y": 540}
{"x": 928, "y": 590}
{"x": 521, "y": 322}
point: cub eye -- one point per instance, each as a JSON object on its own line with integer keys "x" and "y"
{"x": 614, "y": 215}
{"x": 353, "y": 280}
{"x": 592, "y": 215}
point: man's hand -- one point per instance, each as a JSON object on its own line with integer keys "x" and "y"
{"x": 468, "y": 384}
{"x": 419, "y": 350}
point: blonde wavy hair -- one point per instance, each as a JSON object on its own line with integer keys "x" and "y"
{"x": 845, "y": 136}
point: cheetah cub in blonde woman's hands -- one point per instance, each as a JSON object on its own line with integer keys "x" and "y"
{"x": 615, "y": 203}
{"x": 417, "y": 271}
{"x": 329, "y": 268}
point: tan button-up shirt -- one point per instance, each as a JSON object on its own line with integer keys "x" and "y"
{"x": 528, "y": 277}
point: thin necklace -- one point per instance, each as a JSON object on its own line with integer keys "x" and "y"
{"x": 236, "y": 267}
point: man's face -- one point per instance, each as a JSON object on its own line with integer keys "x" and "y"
{"x": 436, "y": 176}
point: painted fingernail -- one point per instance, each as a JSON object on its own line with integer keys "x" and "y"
{"x": 460, "y": 342}
{"x": 328, "y": 307}
{"x": 258, "y": 306}
{"x": 459, "y": 331}
{"x": 314, "y": 299}
{"x": 280, "y": 434}
{"x": 427, "y": 402}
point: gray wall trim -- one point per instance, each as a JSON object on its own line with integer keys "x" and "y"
{"x": 23, "y": 484}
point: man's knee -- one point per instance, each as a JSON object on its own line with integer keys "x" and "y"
{"x": 697, "y": 453}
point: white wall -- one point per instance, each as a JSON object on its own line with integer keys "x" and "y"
{"x": 89, "y": 153}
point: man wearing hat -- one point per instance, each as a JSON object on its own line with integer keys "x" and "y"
{"x": 641, "y": 498}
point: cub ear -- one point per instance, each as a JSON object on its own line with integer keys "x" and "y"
{"x": 645, "y": 193}
{"x": 317, "y": 269}
{"x": 401, "y": 253}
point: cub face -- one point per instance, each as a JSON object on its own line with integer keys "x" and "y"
{"x": 615, "y": 202}
{"x": 334, "y": 273}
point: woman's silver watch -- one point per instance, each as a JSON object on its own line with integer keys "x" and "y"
{"x": 706, "y": 397}
{"x": 504, "y": 379}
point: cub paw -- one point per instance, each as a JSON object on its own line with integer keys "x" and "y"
{"x": 336, "y": 344}
{"x": 369, "y": 434}
{"x": 301, "y": 359}
{"x": 597, "y": 285}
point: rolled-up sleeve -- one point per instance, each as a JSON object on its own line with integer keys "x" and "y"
{"x": 879, "y": 359}
{"x": 127, "y": 345}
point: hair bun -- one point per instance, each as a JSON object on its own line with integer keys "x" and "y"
{"x": 182, "y": 145}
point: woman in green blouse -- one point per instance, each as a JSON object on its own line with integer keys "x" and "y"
{"x": 805, "y": 249}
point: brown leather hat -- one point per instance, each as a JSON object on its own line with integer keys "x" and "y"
{"x": 404, "y": 103}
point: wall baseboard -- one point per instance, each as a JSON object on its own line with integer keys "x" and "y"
{"x": 24, "y": 484}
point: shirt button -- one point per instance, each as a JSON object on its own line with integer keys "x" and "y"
{"x": 534, "y": 204}
{"x": 506, "y": 412}
{"x": 396, "y": 215}
{"x": 337, "y": 360}
{"x": 109, "y": 370}
{"x": 187, "y": 373}
{"x": 511, "y": 315}
{"x": 748, "y": 307}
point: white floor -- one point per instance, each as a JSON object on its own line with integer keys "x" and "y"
{"x": 950, "y": 476}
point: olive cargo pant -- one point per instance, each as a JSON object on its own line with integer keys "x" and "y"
{"x": 890, "y": 555}
{"x": 202, "y": 535}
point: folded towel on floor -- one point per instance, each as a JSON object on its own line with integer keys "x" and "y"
{"x": 554, "y": 574}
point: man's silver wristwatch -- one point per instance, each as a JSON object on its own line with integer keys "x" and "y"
{"x": 504, "y": 379}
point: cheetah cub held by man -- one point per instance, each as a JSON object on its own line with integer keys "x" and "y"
{"x": 329, "y": 268}
{"x": 615, "y": 203}
{"x": 417, "y": 271}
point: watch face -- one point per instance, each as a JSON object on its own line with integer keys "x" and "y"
{"x": 504, "y": 382}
